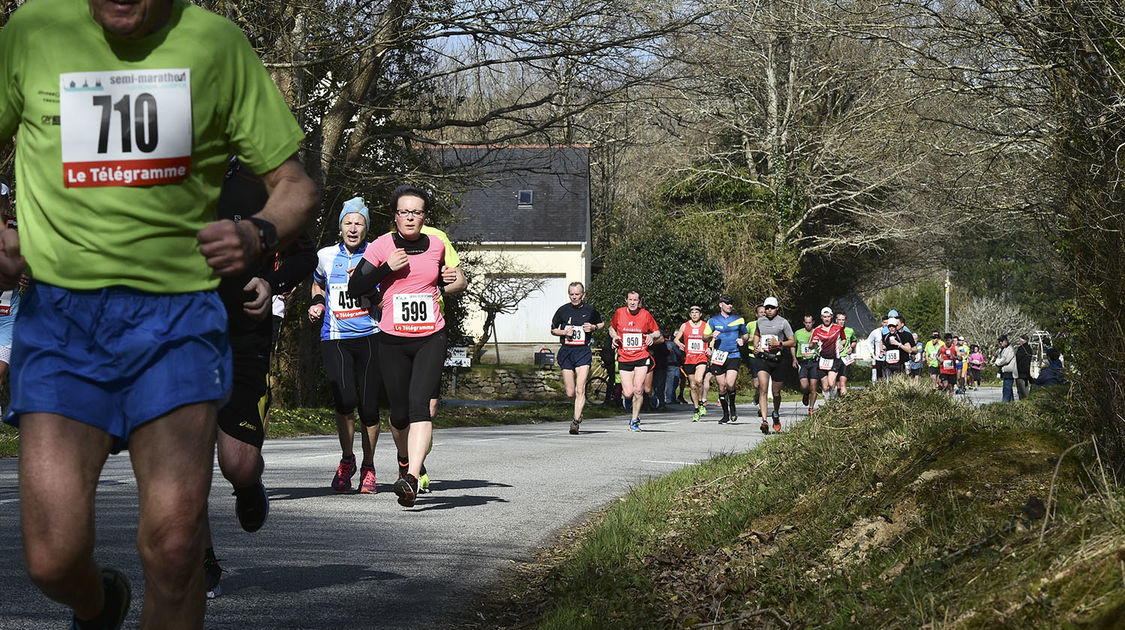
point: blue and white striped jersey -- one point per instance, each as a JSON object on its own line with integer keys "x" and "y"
{"x": 345, "y": 317}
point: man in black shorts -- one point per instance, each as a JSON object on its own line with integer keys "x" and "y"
{"x": 573, "y": 323}
{"x": 771, "y": 335}
{"x": 248, "y": 303}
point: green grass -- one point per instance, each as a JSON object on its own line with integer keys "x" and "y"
{"x": 319, "y": 421}
{"x": 897, "y": 507}
{"x": 9, "y": 441}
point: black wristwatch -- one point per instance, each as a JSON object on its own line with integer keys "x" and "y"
{"x": 267, "y": 234}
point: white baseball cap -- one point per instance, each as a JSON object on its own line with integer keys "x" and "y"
{"x": 825, "y": 311}
{"x": 892, "y": 321}
{"x": 770, "y": 301}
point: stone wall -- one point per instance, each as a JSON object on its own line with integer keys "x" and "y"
{"x": 504, "y": 384}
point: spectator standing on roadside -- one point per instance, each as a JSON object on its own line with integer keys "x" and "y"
{"x": 1006, "y": 361}
{"x": 660, "y": 371}
{"x": 672, "y": 379}
{"x": 1023, "y": 367}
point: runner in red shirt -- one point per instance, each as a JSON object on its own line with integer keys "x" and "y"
{"x": 633, "y": 330}
{"x": 947, "y": 363}
{"x": 827, "y": 338}
{"x": 692, "y": 338}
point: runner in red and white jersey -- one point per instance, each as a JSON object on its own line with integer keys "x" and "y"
{"x": 633, "y": 330}
{"x": 827, "y": 338}
{"x": 692, "y": 337}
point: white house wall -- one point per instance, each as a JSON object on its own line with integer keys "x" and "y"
{"x": 530, "y": 326}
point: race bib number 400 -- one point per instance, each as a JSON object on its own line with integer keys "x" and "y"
{"x": 125, "y": 127}
{"x": 695, "y": 345}
{"x": 414, "y": 313}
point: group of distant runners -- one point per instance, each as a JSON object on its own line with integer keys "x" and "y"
{"x": 714, "y": 348}
{"x": 822, "y": 353}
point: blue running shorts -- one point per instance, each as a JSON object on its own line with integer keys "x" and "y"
{"x": 117, "y": 358}
{"x": 572, "y": 357}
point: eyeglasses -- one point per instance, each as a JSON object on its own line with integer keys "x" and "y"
{"x": 772, "y": 307}
{"x": 410, "y": 213}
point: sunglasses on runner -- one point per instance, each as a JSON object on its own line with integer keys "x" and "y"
{"x": 772, "y": 308}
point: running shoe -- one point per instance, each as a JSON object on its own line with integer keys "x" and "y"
{"x": 342, "y": 482}
{"x": 703, "y": 409}
{"x": 117, "y": 596}
{"x": 634, "y": 425}
{"x": 805, "y": 399}
{"x": 367, "y": 480}
{"x": 765, "y": 427}
{"x": 252, "y": 506}
{"x": 407, "y": 489}
{"x": 776, "y": 425}
{"x": 733, "y": 418}
{"x": 725, "y": 419}
{"x": 424, "y": 482}
{"x": 574, "y": 427}
{"x": 212, "y": 573}
{"x": 695, "y": 416}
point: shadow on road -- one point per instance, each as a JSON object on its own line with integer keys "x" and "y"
{"x": 284, "y": 579}
{"x": 465, "y": 484}
{"x": 428, "y": 502}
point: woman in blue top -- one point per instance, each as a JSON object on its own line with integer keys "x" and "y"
{"x": 348, "y": 343}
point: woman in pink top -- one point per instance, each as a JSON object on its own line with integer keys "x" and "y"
{"x": 976, "y": 361}
{"x": 408, "y": 269}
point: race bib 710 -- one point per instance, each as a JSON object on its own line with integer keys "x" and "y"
{"x": 125, "y": 127}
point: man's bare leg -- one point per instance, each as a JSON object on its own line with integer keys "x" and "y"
{"x": 60, "y": 463}
{"x": 172, "y": 458}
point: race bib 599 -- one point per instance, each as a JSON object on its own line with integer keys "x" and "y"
{"x": 125, "y": 127}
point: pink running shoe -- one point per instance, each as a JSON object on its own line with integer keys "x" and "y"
{"x": 342, "y": 482}
{"x": 367, "y": 480}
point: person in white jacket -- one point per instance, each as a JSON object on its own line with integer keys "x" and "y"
{"x": 1006, "y": 361}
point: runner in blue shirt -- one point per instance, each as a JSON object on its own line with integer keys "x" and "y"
{"x": 349, "y": 345}
{"x": 730, "y": 336}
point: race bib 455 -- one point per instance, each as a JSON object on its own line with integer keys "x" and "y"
{"x": 125, "y": 127}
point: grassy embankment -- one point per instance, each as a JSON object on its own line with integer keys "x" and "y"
{"x": 897, "y": 508}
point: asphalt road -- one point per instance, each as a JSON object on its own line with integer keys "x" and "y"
{"x": 328, "y": 560}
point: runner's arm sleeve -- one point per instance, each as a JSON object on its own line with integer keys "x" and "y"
{"x": 11, "y": 98}
{"x": 297, "y": 262}
{"x": 366, "y": 278}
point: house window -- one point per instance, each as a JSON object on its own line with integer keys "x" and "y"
{"x": 526, "y": 198}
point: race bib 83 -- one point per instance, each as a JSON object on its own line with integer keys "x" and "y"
{"x": 125, "y": 127}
